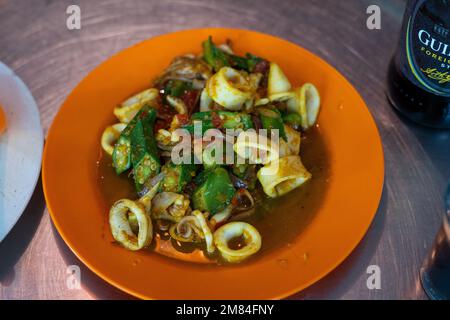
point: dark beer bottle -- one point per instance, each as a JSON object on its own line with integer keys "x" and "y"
{"x": 419, "y": 73}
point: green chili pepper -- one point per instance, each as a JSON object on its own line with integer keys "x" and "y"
{"x": 215, "y": 57}
{"x": 144, "y": 155}
{"x": 215, "y": 192}
{"x": 271, "y": 119}
{"x": 176, "y": 88}
{"x": 252, "y": 61}
{"x": 206, "y": 125}
{"x": 235, "y": 120}
{"x": 218, "y": 58}
{"x": 177, "y": 176}
{"x": 293, "y": 119}
{"x": 122, "y": 151}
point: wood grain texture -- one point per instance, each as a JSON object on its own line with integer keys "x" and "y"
{"x": 35, "y": 42}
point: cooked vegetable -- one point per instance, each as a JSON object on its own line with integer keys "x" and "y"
{"x": 218, "y": 57}
{"x": 176, "y": 88}
{"x": 225, "y": 119}
{"x": 122, "y": 151}
{"x": 188, "y": 202}
{"x": 283, "y": 175}
{"x": 144, "y": 155}
{"x": 271, "y": 119}
{"x": 293, "y": 119}
{"x": 233, "y": 230}
{"x": 205, "y": 125}
{"x": 177, "y": 176}
{"x": 214, "y": 193}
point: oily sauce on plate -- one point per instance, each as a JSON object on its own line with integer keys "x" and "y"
{"x": 279, "y": 221}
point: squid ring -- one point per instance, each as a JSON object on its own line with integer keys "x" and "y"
{"x": 230, "y": 88}
{"x": 283, "y": 175}
{"x": 306, "y": 103}
{"x": 121, "y": 229}
{"x": 258, "y": 149}
{"x": 110, "y": 137}
{"x": 127, "y": 110}
{"x": 232, "y": 230}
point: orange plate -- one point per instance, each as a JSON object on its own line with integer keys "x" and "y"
{"x": 350, "y": 203}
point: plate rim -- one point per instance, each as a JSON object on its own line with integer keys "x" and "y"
{"x": 286, "y": 293}
{"x": 33, "y": 107}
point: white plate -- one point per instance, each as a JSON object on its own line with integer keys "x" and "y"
{"x": 20, "y": 149}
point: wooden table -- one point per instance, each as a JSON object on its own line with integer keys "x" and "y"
{"x": 35, "y": 42}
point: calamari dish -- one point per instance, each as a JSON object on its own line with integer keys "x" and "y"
{"x": 196, "y": 157}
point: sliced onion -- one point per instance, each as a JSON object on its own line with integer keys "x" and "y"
{"x": 149, "y": 184}
{"x": 146, "y": 199}
{"x": 221, "y": 216}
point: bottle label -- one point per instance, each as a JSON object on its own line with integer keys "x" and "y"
{"x": 428, "y": 46}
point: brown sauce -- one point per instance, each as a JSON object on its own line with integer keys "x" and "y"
{"x": 279, "y": 221}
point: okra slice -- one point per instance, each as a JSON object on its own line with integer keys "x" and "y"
{"x": 122, "y": 151}
{"x": 215, "y": 193}
{"x": 144, "y": 154}
{"x": 176, "y": 177}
